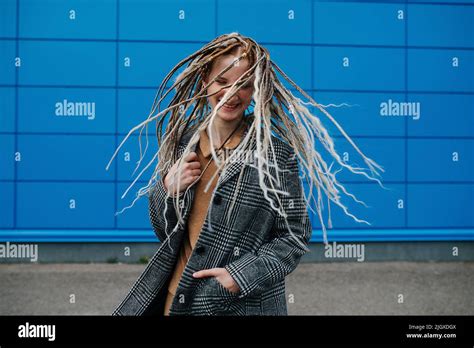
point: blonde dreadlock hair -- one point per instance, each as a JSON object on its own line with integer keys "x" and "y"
{"x": 272, "y": 104}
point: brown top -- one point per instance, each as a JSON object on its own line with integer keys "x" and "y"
{"x": 199, "y": 207}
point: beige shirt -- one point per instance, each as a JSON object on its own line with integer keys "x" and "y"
{"x": 199, "y": 207}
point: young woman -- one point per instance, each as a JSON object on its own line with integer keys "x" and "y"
{"x": 226, "y": 198}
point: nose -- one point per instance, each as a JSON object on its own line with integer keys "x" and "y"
{"x": 233, "y": 99}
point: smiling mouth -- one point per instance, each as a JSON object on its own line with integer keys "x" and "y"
{"x": 230, "y": 106}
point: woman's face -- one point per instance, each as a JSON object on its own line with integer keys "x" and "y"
{"x": 236, "y": 106}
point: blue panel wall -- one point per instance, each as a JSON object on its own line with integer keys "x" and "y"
{"x": 373, "y": 56}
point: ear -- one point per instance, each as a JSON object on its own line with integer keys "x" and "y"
{"x": 205, "y": 72}
{"x": 204, "y": 80}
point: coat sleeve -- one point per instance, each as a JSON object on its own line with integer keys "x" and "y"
{"x": 158, "y": 200}
{"x": 256, "y": 272}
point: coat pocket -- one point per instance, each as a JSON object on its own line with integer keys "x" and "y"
{"x": 215, "y": 299}
{"x": 223, "y": 292}
{"x": 230, "y": 304}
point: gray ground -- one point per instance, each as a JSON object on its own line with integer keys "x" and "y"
{"x": 443, "y": 288}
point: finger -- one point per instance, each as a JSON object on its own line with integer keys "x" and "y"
{"x": 192, "y": 156}
{"x": 190, "y": 177}
{"x": 191, "y": 172}
{"x": 205, "y": 273}
{"x": 189, "y": 180}
{"x": 194, "y": 165}
{"x": 191, "y": 165}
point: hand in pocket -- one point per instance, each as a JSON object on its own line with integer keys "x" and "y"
{"x": 222, "y": 276}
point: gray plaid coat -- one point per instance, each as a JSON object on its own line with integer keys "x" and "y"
{"x": 255, "y": 246}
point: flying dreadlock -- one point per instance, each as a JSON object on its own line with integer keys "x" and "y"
{"x": 275, "y": 110}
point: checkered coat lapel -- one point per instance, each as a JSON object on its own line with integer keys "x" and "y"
{"x": 254, "y": 246}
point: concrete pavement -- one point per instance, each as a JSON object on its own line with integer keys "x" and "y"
{"x": 348, "y": 288}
